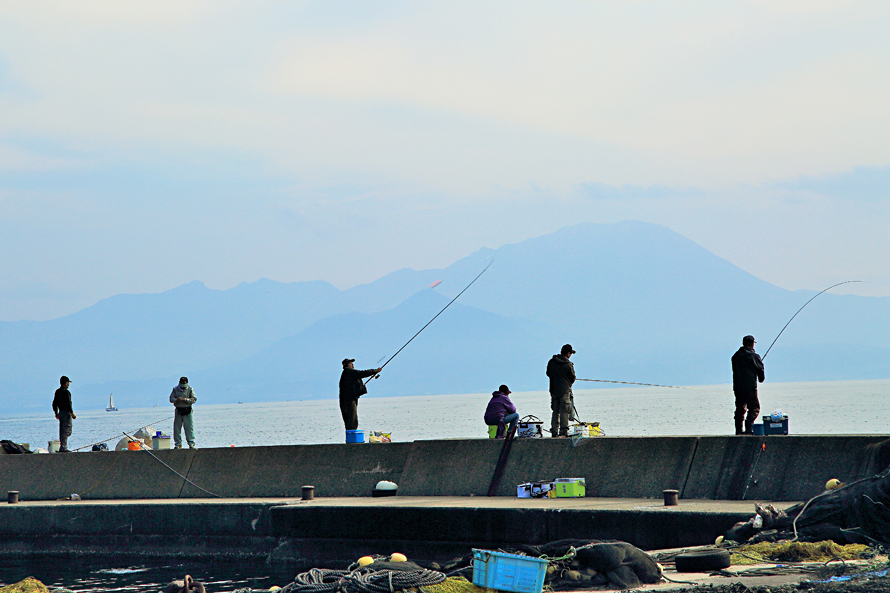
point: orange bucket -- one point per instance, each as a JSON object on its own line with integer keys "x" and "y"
{"x": 134, "y": 446}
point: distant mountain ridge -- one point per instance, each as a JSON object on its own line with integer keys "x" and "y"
{"x": 638, "y": 301}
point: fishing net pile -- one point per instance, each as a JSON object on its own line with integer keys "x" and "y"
{"x": 379, "y": 577}
{"x": 581, "y": 564}
{"x": 857, "y": 513}
{"x": 767, "y": 552}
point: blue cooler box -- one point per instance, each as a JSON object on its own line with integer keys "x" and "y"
{"x": 508, "y": 572}
{"x": 771, "y": 426}
{"x": 355, "y": 436}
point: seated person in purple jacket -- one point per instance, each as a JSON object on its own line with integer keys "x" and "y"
{"x": 501, "y": 411}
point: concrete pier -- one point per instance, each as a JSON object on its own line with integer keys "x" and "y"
{"x": 135, "y": 503}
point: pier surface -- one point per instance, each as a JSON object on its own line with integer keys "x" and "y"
{"x": 134, "y": 504}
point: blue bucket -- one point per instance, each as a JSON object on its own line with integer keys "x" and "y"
{"x": 355, "y": 436}
{"x": 757, "y": 428}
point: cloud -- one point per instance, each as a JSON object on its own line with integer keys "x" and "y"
{"x": 868, "y": 184}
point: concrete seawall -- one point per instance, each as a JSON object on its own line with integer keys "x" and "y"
{"x": 717, "y": 468}
{"x": 137, "y": 505}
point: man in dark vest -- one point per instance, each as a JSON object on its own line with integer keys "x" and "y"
{"x": 64, "y": 412}
{"x": 747, "y": 371}
{"x": 351, "y": 388}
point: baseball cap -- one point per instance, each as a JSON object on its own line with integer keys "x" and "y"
{"x": 346, "y": 361}
{"x": 63, "y": 379}
{"x": 567, "y": 348}
{"x": 505, "y": 390}
{"x": 748, "y": 340}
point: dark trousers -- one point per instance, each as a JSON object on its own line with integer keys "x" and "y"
{"x": 349, "y": 411}
{"x": 561, "y": 411}
{"x": 65, "y": 426}
{"x": 746, "y": 401}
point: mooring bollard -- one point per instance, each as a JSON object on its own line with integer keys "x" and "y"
{"x": 670, "y": 498}
{"x": 13, "y": 496}
{"x": 308, "y": 492}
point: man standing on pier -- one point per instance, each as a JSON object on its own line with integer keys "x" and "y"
{"x": 747, "y": 371}
{"x": 64, "y": 412}
{"x": 182, "y": 397}
{"x": 562, "y": 376}
{"x": 351, "y": 388}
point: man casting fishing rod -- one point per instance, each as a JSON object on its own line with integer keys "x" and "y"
{"x": 351, "y": 388}
{"x": 747, "y": 371}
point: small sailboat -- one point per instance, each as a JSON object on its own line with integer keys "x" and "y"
{"x": 111, "y": 407}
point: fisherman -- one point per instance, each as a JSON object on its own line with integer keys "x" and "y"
{"x": 562, "y": 375}
{"x": 182, "y": 397}
{"x": 501, "y": 412}
{"x": 64, "y": 412}
{"x": 747, "y": 371}
{"x": 351, "y": 388}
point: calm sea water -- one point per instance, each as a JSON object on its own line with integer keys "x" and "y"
{"x": 108, "y": 575}
{"x": 831, "y": 407}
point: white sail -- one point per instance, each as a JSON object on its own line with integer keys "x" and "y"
{"x": 111, "y": 407}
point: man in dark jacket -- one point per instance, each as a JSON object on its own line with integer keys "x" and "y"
{"x": 562, "y": 376}
{"x": 64, "y": 412}
{"x": 747, "y": 371}
{"x": 351, "y": 388}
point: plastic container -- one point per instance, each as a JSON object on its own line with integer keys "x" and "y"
{"x": 493, "y": 431}
{"x": 569, "y": 487}
{"x": 757, "y": 427}
{"x": 772, "y": 427}
{"x": 134, "y": 446}
{"x": 160, "y": 441}
{"x": 508, "y": 572}
{"x": 355, "y": 436}
{"x": 52, "y": 446}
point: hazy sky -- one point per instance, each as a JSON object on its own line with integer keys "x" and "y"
{"x": 147, "y": 144}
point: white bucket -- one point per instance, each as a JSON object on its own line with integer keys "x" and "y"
{"x": 53, "y": 446}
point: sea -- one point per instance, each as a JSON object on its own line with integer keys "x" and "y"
{"x": 829, "y": 407}
{"x": 825, "y": 407}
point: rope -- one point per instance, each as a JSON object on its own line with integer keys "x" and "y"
{"x": 361, "y": 580}
{"x": 124, "y": 434}
{"x": 176, "y": 472}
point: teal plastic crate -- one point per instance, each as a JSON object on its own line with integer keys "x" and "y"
{"x": 508, "y": 572}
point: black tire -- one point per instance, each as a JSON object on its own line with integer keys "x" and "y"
{"x": 702, "y": 560}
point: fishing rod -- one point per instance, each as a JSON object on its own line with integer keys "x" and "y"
{"x": 434, "y": 318}
{"x": 801, "y": 309}
{"x": 630, "y": 383}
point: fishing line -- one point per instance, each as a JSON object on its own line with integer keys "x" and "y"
{"x": 173, "y": 470}
{"x": 644, "y": 384}
{"x": 801, "y": 309}
{"x": 434, "y": 318}
{"x": 124, "y": 434}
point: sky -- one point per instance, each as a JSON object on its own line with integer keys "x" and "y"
{"x": 145, "y": 145}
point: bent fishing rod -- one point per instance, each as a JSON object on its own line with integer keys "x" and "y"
{"x": 434, "y": 318}
{"x": 801, "y": 309}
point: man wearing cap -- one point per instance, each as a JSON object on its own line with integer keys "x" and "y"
{"x": 351, "y": 388}
{"x": 64, "y": 412}
{"x": 501, "y": 412}
{"x": 747, "y": 371}
{"x": 182, "y": 397}
{"x": 562, "y": 376}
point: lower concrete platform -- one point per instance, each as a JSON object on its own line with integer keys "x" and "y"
{"x": 330, "y": 531}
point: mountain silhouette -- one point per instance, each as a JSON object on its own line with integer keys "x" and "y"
{"x": 636, "y": 300}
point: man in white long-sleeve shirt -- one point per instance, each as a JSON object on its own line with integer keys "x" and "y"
{"x": 182, "y": 397}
